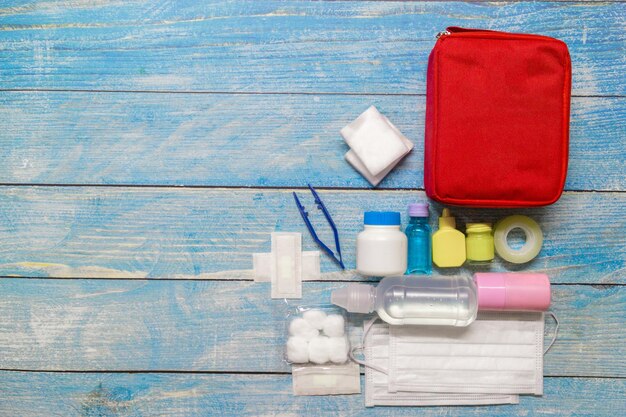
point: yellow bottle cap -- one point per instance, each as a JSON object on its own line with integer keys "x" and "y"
{"x": 478, "y": 228}
{"x": 446, "y": 220}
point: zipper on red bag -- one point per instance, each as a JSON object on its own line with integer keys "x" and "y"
{"x": 468, "y": 32}
{"x": 455, "y": 29}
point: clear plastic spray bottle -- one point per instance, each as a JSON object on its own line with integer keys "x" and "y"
{"x": 445, "y": 300}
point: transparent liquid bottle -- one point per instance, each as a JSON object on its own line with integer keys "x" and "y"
{"x": 419, "y": 240}
{"x": 445, "y": 300}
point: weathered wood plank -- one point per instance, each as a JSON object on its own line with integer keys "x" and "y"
{"x": 235, "y": 326}
{"x": 37, "y": 394}
{"x": 280, "y": 46}
{"x": 143, "y": 232}
{"x": 246, "y": 140}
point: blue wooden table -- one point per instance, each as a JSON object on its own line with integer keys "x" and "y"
{"x": 148, "y": 148}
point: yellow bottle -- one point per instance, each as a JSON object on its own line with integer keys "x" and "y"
{"x": 479, "y": 243}
{"x": 448, "y": 243}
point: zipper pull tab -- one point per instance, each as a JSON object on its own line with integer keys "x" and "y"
{"x": 440, "y": 34}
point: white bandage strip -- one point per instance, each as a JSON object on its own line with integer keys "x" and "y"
{"x": 326, "y": 380}
{"x": 310, "y": 266}
{"x": 286, "y": 265}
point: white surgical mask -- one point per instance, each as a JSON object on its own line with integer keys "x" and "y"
{"x": 500, "y": 353}
{"x": 376, "y": 352}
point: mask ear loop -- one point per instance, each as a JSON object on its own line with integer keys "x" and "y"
{"x": 366, "y": 329}
{"x": 556, "y": 331}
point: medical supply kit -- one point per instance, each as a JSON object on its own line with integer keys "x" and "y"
{"x": 497, "y": 119}
{"x": 496, "y": 136}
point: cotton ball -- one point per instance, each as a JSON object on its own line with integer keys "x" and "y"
{"x": 315, "y": 318}
{"x": 318, "y": 350}
{"x": 297, "y": 349}
{"x": 334, "y": 325}
{"x": 301, "y": 327}
{"x": 338, "y": 349}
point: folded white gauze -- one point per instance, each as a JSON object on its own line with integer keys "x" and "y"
{"x": 376, "y": 352}
{"x": 500, "y": 352}
{"x": 358, "y": 165}
{"x": 376, "y": 145}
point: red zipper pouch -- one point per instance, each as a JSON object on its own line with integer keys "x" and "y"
{"x": 497, "y": 119}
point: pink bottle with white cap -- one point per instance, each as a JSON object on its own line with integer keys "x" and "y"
{"x": 445, "y": 300}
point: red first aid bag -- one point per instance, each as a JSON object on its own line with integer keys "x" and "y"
{"x": 497, "y": 119}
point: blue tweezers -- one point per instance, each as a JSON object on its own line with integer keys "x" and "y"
{"x": 305, "y": 217}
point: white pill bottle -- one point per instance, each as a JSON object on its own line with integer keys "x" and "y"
{"x": 381, "y": 248}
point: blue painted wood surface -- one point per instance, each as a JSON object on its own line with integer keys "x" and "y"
{"x": 125, "y": 232}
{"x": 265, "y": 395}
{"x": 275, "y": 46}
{"x": 217, "y": 326}
{"x": 248, "y": 140}
{"x": 120, "y": 300}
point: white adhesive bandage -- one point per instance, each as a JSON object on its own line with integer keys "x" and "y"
{"x": 376, "y": 145}
{"x": 261, "y": 266}
{"x": 310, "y": 266}
{"x": 286, "y": 265}
{"x": 326, "y": 380}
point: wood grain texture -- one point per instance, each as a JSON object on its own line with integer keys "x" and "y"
{"x": 120, "y": 232}
{"x": 273, "y": 46}
{"x": 317, "y": 65}
{"x": 234, "y": 326}
{"x": 247, "y": 140}
{"x": 34, "y": 395}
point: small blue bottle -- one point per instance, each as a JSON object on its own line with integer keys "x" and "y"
{"x": 420, "y": 246}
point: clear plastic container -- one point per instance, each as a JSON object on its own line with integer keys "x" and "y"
{"x": 410, "y": 299}
{"x": 445, "y": 300}
{"x": 316, "y": 334}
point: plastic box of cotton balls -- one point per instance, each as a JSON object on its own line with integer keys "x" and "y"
{"x": 317, "y": 335}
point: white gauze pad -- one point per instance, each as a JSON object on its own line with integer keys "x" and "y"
{"x": 286, "y": 265}
{"x": 376, "y": 142}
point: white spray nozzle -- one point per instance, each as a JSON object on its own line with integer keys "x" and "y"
{"x": 354, "y": 298}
